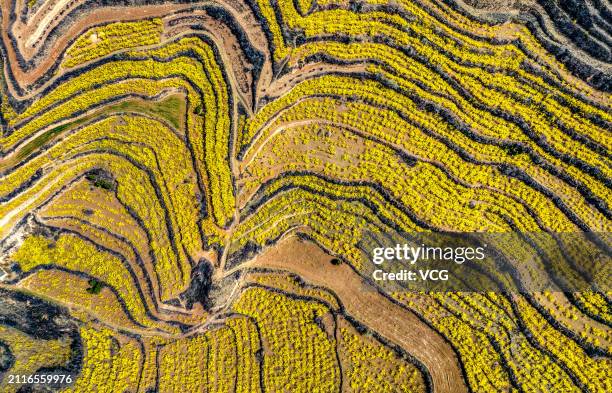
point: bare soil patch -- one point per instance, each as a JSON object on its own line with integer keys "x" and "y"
{"x": 368, "y": 306}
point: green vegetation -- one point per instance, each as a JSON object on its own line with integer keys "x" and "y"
{"x": 95, "y": 286}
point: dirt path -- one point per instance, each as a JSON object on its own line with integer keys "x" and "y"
{"x": 361, "y": 301}
{"x": 96, "y": 17}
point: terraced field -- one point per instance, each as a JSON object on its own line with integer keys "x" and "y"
{"x": 190, "y": 192}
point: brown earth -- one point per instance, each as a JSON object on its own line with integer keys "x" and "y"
{"x": 366, "y": 304}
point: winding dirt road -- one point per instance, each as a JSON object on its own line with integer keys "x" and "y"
{"x": 364, "y": 303}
